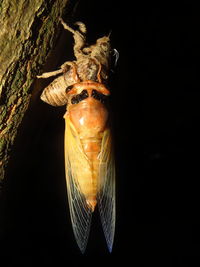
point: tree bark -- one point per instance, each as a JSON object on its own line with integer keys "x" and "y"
{"x": 28, "y": 32}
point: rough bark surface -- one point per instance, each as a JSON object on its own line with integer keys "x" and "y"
{"x": 28, "y": 31}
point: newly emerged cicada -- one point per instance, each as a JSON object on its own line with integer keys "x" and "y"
{"x": 89, "y": 159}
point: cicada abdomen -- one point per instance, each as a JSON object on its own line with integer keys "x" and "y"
{"x": 89, "y": 159}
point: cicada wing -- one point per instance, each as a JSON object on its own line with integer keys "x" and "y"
{"x": 75, "y": 161}
{"x": 106, "y": 192}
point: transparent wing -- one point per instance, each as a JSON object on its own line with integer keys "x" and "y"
{"x": 75, "y": 162}
{"x": 106, "y": 192}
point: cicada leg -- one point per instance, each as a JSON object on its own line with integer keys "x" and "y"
{"x": 63, "y": 69}
{"x": 99, "y": 70}
{"x": 50, "y": 74}
{"x": 79, "y": 38}
{"x": 74, "y": 69}
{"x": 99, "y": 73}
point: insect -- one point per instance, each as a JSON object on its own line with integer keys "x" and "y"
{"x": 89, "y": 159}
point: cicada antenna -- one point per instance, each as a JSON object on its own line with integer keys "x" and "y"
{"x": 109, "y": 33}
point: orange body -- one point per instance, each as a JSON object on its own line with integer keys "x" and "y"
{"x": 89, "y": 157}
{"x": 89, "y": 117}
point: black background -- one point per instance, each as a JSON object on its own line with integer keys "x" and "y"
{"x": 156, "y": 113}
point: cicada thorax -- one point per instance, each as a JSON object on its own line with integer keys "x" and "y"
{"x": 89, "y": 115}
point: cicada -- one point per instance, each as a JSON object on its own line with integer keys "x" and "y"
{"x": 89, "y": 158}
